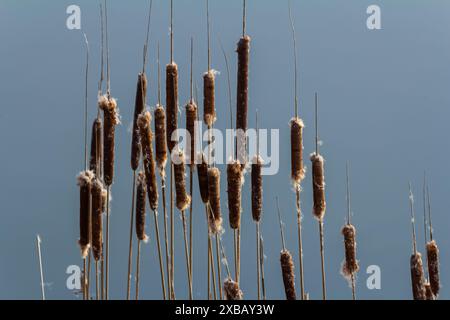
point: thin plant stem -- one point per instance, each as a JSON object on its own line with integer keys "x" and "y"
{"x": 138, "y": 265}
{"x": 161, "y": 265}
{"x": 41, "y": 272}
{"x": 300, "y": 246}
{"x": 130, "y": 248}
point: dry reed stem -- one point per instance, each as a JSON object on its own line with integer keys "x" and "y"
{"x": 85, "y": 183}
{"x": 243, "y": 51}
{"x": 257, "y": 189}
{"x": 417, "y": 277}
{"x": 433, "y": 266}
{"x": 287, "y": 269}
{"x": 318, "y": 180}
{"x": 202, "y": 173}
{"x": 297, "y": 167}
{"x": 141, "y": 193}
{"x": 234, "y": 181}
{"x": 95, "y": 157}
{"x": 214, "y": 200}
{"x": 139, "y": 107}
{"x": 97, "y": 219}
{"x": 130, "y": 246}
{"x": 350, "y": 265}
{"x": 111, "y": 119}
{"x": 183, "y": 200}
{"x": 191, "y": 117}
{"x": 232, "y": 290}
{"x": 160, "y": 139}
{"x": 209, "y": 109}
{"x": 171, "y": 103}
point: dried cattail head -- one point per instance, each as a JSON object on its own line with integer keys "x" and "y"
{"x": 171, "y": 102}
{"x": 433, "y": 266}
{"x": 417, "y": 277}
{"x": 146, "y": 137}
{"x": 85, "y": 183}
{"x": 97, "y": 225}
{"x": 257, "y": 188}
{"x": 428, "y": 292}
{"x": 243, "y": 51}
{"x": 96, "y": 142}
{"x": 111, "y": 119}
{"x": 183, "y": 200}
{"x": 231, "y": 290}
{"x": 318, "y": 180}
{"x": 104, "y": 198}
{"x": 160, "y": 139}
{"x": 209, "y": 112}
{"x": 139, "y": 107}
{"x": 202, "y": 172}
{"x": 191, "y": 117}
{"x": 214, "y": 199}
{"x": 287, "y": 269}
{"x": 297, "y": 167}
{"x": 234, "y": 181}
{"x": 350, "y": 265}
{"x": 141, "y": 194}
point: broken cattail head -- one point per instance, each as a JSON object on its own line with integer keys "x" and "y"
{"x": 209, "y": 112}
{"x": 318, "y": 180}
{"x": 171, "y": 103}
{"x": 202, "y": 173}
{"x": 97, "y": 225}
{"x": 297, "y": 167}
{"x": 350, "y": 265}
{"x": 214, "y": 199}
{"x": 191, "y": 117}
{"x": 433, "y": 266}
{"x": 85, "y": 183}
{"x": 139, "y": 107}
{"x": 234, "y": 181}
{"x": 287, "y": 269}
{"x": 160, "y": 139}
{"x": 183, "y": 200}
{"x": 146, "y": 137}
{"x": 141, "y": 194}
{"x": 257, "y": 188}
{"x": 96, "y": 142}
{"x": 232, "y": 290}
{"x": 111, "y": 119}
{"x": 417, "y": 277}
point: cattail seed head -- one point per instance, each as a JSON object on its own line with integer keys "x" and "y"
{"x": 428, "y": 292}
{"x": 85, "y": 183}
{"x": 232, "y": 290}
{"x": 97, "y": 225}
{"x": 214, "y": 199}
{"x": 96, "y": 142}
{"x": 209, "y": 112}
{"x": 350, "y": 265}
{"x": 183, "y": 200}
{"x": 104, "y": 199}
{"x": 171, "y": 103}
{"x": 257, "y": 188}
{"x": 160, "y": 139}
{"x": 243, "y": 51}
{"x": 297, "y": 167}
{"x": 433, "y": 266}
{"x": 202, "y": 173}
{"x": 146, "y": 137}
{"x": 318, "y": 180}
{"x": 287, "y": 269}
{"x": 141, "y": 193}
{"x": 191, "y": 117}
{"x": 139, "y": 107}
{"x": 234, "y": 182}
{"x": 417, "y": 277}
{"x": 111, "y": 119}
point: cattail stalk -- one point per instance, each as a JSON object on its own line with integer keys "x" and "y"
{"x": 141, "y": 194}
{"x": 41, "y": 272}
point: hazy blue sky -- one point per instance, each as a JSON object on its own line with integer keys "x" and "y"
{"x": 383, "y": 107}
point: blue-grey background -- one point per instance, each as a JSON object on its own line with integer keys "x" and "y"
{"x": 383, "y": 107}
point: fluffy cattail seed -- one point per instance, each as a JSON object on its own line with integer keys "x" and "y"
{"x": 141, "y": 193}
{"x": 202, "y": 173}
{"x": 96, "y": 142}
{"x": 183, "y": 200}
{"x": 297, "y": 167}
{"x": 433, "y": 266}
{"x": 209, "y": 115}
{"x": 111, "y": 119}
{"x": 146, "y": 137}
{"x": 287, "y": 269}
{"x": 97, "y": 225}
{"x": 350, "y": 265}
{"x": 417, "y": 277}
{"x": 214, "y": 199}
{"x": 243, "y": 51}
{"x": 171, "y": 102}
{"x": 191, "y": 117}
{"x": 318, "y": 180}
{"x": 139, "y": 107}
{"x": 232, "y": 291}
{"x": 257, "y": 188}
{"x": 85, "y": 184}
{"x": 160, "y": 139}
{"x": 234, "y": 182}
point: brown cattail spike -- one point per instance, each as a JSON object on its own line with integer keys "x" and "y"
{"x": 297, "y": 167}
{"x": 202, "y": 173}
{"x": 111, "y": 119}
{"x": 160, "y": 137}
{"x": 96, "y": 142}
{"x": 141, "y": 194}
{"x": 318, "y": 180}
{"x": 183, "y": 200}
{"x": 191, "y": 118}
{"x": 287, "y": 269}
{"x": 232, "y": 290}
{"x": 235, "y": 180}
{"x": 433, "y": 266}
{"x": 171, "y": 103}
{"x": 214, "y": 199}
{"x": 243, "y": 51}
{"x": 85, "y": 184}
{"x": 417, "y": 277}
{"x": 141, "y": 93}
{"x": 257, "y": 188}
{"x": 350, "y": 265}
{"x": 97, "y": 224}
{"x": 209, "y": 115}
{"x": 146, "y": 137}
